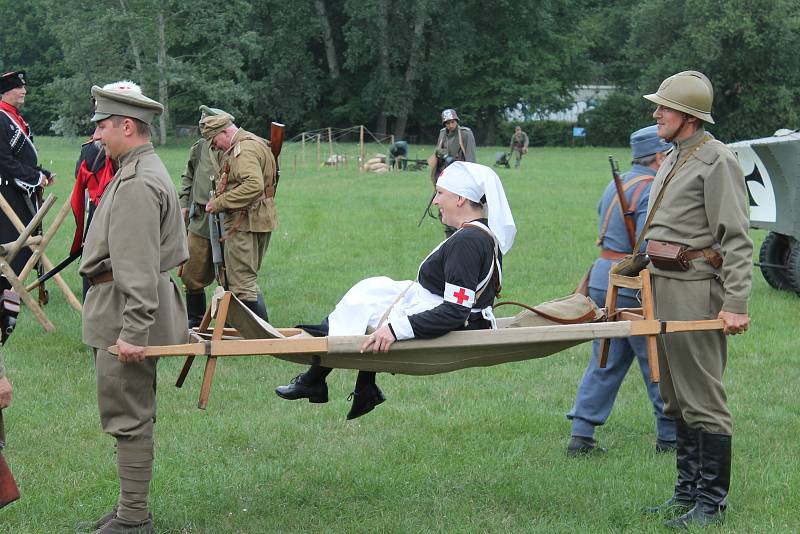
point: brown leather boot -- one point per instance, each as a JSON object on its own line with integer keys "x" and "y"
{"x": 84, "y": 527}
{"x": 120, "y": 526}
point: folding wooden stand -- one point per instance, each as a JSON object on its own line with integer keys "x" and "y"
{"x": 647, "y": 315}
{"x": 219, "y": 332}
{"x": 9, "y": 251}
{"x": 38, "y": 251}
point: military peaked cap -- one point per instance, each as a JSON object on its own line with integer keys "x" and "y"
{"x": 206, "y": 111}
{"x": 125, "y": 103}
{"x": 12, "y": 80}
{"x": 213, "y": 124}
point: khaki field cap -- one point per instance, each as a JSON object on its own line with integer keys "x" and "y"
{"x": 206, "y": 111}
{"x": 211, "y": 125}
{"x": 125, "y": 103}
{"x": 688, "y": 91}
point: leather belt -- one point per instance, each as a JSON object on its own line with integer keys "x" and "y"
{"x": 711, "y": 254}
{"x": 608, "y": 254}
{"x": 102, "y": 278}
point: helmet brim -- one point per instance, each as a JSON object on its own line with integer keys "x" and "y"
{"x": 657, "y": 99}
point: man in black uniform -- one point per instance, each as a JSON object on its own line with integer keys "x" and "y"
{"x": 455, "y": 287}
{"x": 20, "y": 174}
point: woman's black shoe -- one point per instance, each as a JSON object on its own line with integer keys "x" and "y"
{"x": 298, "y": 389}
{"x": 364, "y": 400}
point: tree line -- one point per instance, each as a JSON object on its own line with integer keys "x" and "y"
{"x": 394, "y": 66}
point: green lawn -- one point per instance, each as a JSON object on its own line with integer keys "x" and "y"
{"x": 480, "y": 450}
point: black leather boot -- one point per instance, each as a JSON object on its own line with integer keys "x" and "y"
{"x": 310, "y": 385}
{"x": 713, "y": 484}
{"x": 687, "y": 460}
{"x": 195, "y": 308}
{"x": 365, "y": 396}
{"x": 580, "y": 445}
{"x": 258, "y": 307}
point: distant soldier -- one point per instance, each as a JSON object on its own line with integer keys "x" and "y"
{"x": 135, "y": 239}
{"x": 518, "y": 145}
{"x": 246, "y": 194}
{"x": 398, "y": 155}
{"x": 21, "y": 177}
{"x": 202, "y": 172}
{"x": 455, "y": 143}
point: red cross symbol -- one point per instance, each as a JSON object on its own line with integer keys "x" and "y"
{"x": 461, "y": 296}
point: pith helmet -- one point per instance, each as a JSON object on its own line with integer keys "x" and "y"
{"x": 689, "y": 91}
{"x": 448, "y": 115}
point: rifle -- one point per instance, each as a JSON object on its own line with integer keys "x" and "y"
{"x": 437, "y": 167}
{"x": 217, "y": 237}
{"x": 627, "y": 214}
{"x": 427, "y": 209}
{"x": 276, "y": 131}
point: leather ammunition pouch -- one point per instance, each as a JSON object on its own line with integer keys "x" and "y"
{"x": 668, "y": 256}
{"x": 676, "y": 257}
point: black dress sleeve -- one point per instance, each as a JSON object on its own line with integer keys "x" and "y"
{"x": 464, "y": 260}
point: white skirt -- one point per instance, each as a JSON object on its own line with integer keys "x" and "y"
{"x": 365, "y": 304}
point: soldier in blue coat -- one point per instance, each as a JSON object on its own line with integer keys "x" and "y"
{"x": 598, "y": 388}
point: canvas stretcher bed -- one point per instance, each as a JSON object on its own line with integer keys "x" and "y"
{"x": 451, "y": 352}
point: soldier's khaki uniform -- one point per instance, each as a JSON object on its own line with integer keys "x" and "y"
{"x": 138, "y": 236}
{"x": 448, "y": 144}
{"x": 704, "y": 204}
{"x": 196, "y": 184}
{"x": 247, "y": 198}
{"x": 519, "y": 145}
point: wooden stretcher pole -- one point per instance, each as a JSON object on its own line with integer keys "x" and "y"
{"x": 211, "y": 361}
{"x": 48, "y": 265}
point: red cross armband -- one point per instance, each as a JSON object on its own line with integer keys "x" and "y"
{"x": 459, "y": 295}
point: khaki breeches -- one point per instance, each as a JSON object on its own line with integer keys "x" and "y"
{"x": 198, "y": 271}
{"x": 126, "y": 396}
{"x": 243, "y": 254}
{"x": 692, "y": 363}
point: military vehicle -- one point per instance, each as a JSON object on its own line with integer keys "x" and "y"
{"x": 771, "y": 168}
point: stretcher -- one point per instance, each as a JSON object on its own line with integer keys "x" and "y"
{"x": 250, "y": 336}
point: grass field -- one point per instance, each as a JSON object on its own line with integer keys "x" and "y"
{"x": 480, "y": 450}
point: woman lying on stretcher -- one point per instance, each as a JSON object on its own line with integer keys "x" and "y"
{"x": 455, "y": 287}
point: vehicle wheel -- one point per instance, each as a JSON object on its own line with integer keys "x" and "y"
{"x": 774, "y": 260}
{"x": 793, "y": 265}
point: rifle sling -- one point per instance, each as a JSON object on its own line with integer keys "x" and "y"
{"x": 642, "y": 180}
